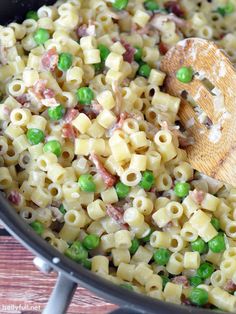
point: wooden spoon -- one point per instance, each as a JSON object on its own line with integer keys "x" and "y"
{"x": 214, "y": 150}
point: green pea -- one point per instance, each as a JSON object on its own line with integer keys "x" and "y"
{"x": 144, "y": 70}
{"x": 151, "y": 5}
{"x": 185, "y": 74}
{"x": 32, "y": 15}
{"x": 62, "y": 209}
{"x": 37, "y": 226}
{"x": 77, "y": 252}
{"x": 181, "y": 189}
{"x": 217, "y": 244}
{"x": 54, "y": 147}
{"x": 91, "y": 241}
{"x": 56, "y": 113}
{"x": 120, "y": 4}
{"x": 229, "y": 8}
{"x": 86, "y": 183}
{"x": 161, "y": 256}
{"x": 35, "y": 136}
{"x": 138, "y": 53}
{"x": 147, "y": 180}
{"x": 165, "y": 279}
{"x": 195, "y": 281}
{"x": 205, "y": 270}
{"x": 198, "y": 296}
{"x": 41, "y": 36}
{"x": 104, "y": 52}
{"x": 215, "y": 223}
{"x": 199, "y": 246}
{"x": 85, "y": 95}
{"x": 122, "y": 190}
{"x": 65, "y": 61}
{"x": 134, "y": 246}
{"x": 127, "y": 286}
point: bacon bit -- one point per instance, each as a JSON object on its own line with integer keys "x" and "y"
{"x": 197, "y": 196}
{"x": 108, "y": 178}
{"x": 91, "y": 111}
{"x": 48, "y": 93}
{"x": 163, "y": 48}
{"x": 39, "y": 93}
{"x": 117, "y": 214}
{"x": 69, "y": 132}
{"x": 180, "y": 280}
{"x": 50, "y": 59}
{"x": 14, "y": 197}
{"x": 70, "y": 115}
{"x": 230, "y": 286}
{"x": 174, "y": 7}
{"x": 123, "y": 116}
{"x": 82, "y": 31}
{"x": 24, "y": 99}
{"x": 129, "y": 53}
{"x": 38, "y": 88}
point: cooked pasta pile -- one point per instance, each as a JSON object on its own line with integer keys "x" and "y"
{"x": 92, "y": 152}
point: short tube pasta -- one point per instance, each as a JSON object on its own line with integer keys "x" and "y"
{"x": 163, "y": 140}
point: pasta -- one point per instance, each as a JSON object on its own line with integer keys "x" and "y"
{"x": 90, "y": 139}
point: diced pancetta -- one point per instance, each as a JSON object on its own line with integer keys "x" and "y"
{"x": 50, "y": 59}
{"x": 107, "y": 177}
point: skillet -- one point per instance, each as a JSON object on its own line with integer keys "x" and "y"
{"x": 70, "y": 273}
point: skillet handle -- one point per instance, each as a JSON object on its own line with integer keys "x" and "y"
{"x": 124, "y": 310}
{"x": 61, "y": 295}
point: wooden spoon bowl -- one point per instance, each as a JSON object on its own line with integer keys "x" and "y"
{"x": 211, "y": 94}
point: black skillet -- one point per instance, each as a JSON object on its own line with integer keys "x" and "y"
{"x": 70, "y": 273}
